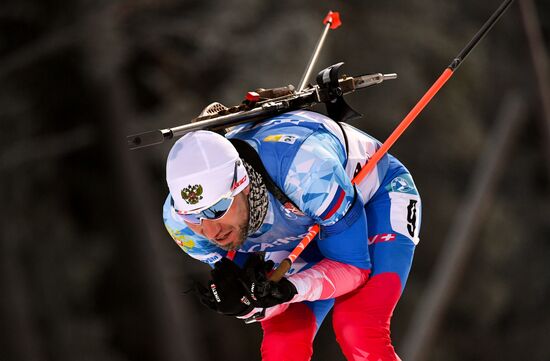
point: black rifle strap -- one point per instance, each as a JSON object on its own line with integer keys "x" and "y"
{"x": 337, "y": 108}
{"x": 249, "y": 155}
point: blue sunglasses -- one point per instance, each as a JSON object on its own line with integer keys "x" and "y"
{"x": 216, "y": 211}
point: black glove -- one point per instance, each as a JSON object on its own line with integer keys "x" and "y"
{"x": 266, "y": 293}
{"x": 227, "y": 293}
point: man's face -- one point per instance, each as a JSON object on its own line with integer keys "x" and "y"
{"x": 230, "y": 231}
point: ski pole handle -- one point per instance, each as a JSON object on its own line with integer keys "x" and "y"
{"x": 285, "y": 265}
{"x": 281, "y": 270}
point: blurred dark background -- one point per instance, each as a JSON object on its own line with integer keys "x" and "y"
{"x": 87, "y": 270}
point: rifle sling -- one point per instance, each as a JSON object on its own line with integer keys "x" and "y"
{"x": 249, "y": 155}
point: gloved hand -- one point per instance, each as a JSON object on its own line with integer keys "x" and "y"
{"x": 227, "y": 293}
{"x": 266, "y": 293}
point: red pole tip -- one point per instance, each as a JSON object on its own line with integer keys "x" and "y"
{"x": 333, "y": 17}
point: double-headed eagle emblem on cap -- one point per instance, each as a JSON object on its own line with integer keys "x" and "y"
{"x": 192, "y": 194}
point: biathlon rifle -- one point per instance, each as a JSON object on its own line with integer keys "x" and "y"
{"x": 265, "y": 103}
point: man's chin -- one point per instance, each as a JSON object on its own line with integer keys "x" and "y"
{"x": 230, "y": 247}
{"x": 233, "y": 246}
{"x": 237, "y": 243}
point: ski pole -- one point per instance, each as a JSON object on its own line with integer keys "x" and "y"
{"x": 331, "y": 21}
{"x": 371, "y": 163}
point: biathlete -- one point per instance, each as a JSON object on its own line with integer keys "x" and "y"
{"x": 257, "y": 190}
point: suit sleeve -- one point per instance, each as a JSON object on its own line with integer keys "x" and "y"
{"x": 327, "y": 279}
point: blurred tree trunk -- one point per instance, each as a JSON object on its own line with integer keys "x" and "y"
{"x": 172, "y": 339}
{"x": 452, "y": 261}
{"x": 22, "y": 342}
{"x": 539, "y": 59}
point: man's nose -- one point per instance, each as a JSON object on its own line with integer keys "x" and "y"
{"x": 210, "y": 229}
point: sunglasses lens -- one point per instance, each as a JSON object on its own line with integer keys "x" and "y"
{"x": 216, "y": 211}
{"x": 191, "y": 218}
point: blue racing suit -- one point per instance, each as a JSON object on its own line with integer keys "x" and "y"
{"x": 372, "y": 226}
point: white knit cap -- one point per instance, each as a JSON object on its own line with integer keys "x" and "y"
{"x": 200, "y": 170}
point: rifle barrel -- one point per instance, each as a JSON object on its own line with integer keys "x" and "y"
{"x": 264, "y": 109}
